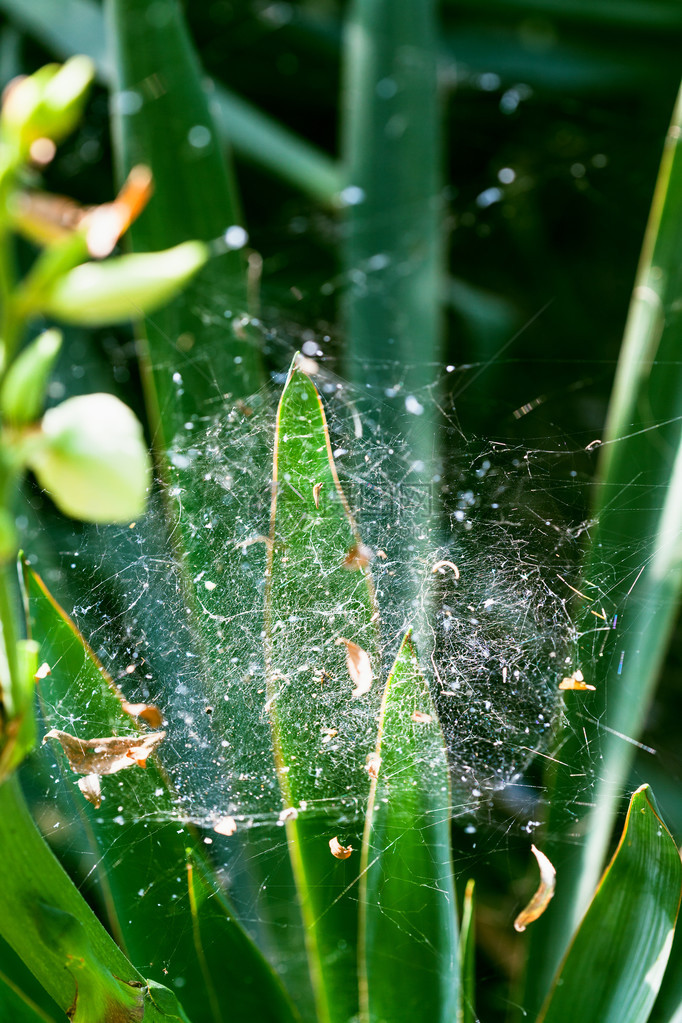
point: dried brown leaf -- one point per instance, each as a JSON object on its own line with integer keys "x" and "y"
{"x": 440, "y": 565}
{"x": 107, "y": 755}
{"x": 576, "y": 681}
{"x": 91, "y": 787}
{"x": 538, "y": 904}
{"x": 359, "y": 667}
{"x": 147, "y": 711}
{"x": 358, "y": 557}
{"x": 225, "y": 826}
{"x": 341, "y": 852}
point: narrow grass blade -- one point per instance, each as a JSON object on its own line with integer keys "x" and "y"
{"x": 53, "y": 930}
{"x": 254, "y": 135}
{"x": 21, "y": 997}
{"x": 141, "y": 845}
{"x": 467, "y": 956}
{"x": 615, "y": 964}
{"x": 391, "y": 150}
{"x": 200, "y": 336}
{"x": 636, "y": 543}
{"x": 319, "y": 598}
{"x": 409, "y": 967}
{"x": 393, "y": 252}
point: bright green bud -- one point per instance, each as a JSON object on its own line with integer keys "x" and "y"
{"x": 64, "y": 97}
{"x": 92, "y": 459}
{"x": 22, "y": 394}
{"x": 123, "y": 288}
{"x": 47, "y": 104}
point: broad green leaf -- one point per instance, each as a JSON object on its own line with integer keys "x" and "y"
{"x": 409, "y": 967}
{"x": 254, "y": 135}
{"x": 319, "y": 598}
{"x": 614, "y": 966}
{"x": 53, "y": 930}
{"x": 141, "y": 847}
{"x": 467, "y": 956}
{"x": 635, "y": 542}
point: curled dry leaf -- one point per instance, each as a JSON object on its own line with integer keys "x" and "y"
{"x": 440, "y": 565}
{"x": 358, "y": 557}
{"x": 341, "y": 852}
{"x": 225, "y": 826}
{"x": 147, "y": 711}
{"x": 91, "y": 787}
{"x": 421, "y": 718}
{"x": 576, "y": 681}
{"x": 538, "y": 904}
{"x": 359, "y": 667}
{"x": 317, "y": 487}
{"x": 373, "y": 763}
{"x": 106, "y": 756}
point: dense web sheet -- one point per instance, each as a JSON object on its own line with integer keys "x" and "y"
{"x": 478, "y": 552}
{"x": 484, "y": 568}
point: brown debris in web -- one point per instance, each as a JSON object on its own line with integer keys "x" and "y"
{"x": 147, "y": 711}
{"x": 341, "y": 852}
{"x": 576, "y": 681}
{"x": 359, "y": 667}
{"x": 107, "y": 755}
{"x": 358, "y": 558}
{"x": 541, "y": 899}
{"x": 225, "y": 826}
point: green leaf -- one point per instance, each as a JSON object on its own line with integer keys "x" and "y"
{"x": 635, "y": 542}
{"x": 90, "y": 455}
{"x": 322, "y": 734}
{"x": 125, "y": 287}
{"x": 21, "y": 996}
{"x": 394, "y": 244}
{"x": 467, "y": 955}
{"x": 24, "y": 386}
{"x": 410, "y": 946}
{"x": 614, "y": 966}
{"x": 53, "y": 930}
{"x": 143, "y": 870}
{"x": 171, "y": 131}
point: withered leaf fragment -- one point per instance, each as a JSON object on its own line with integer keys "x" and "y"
{"x": 538, "y": 904}
{"x": 108, "y": 755}
{"x": 440, "y": 565}
{"x": 358, "y": 557}
{"x": 91, "y": 787}
{"x": 225, "y": 826}
{"x": 576, "y": 681}
{"x": 147, "y": 711}
{"x": 341, "y": 852}
{"x": 373, "y": 763}
{"x": 359, "y": 667}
